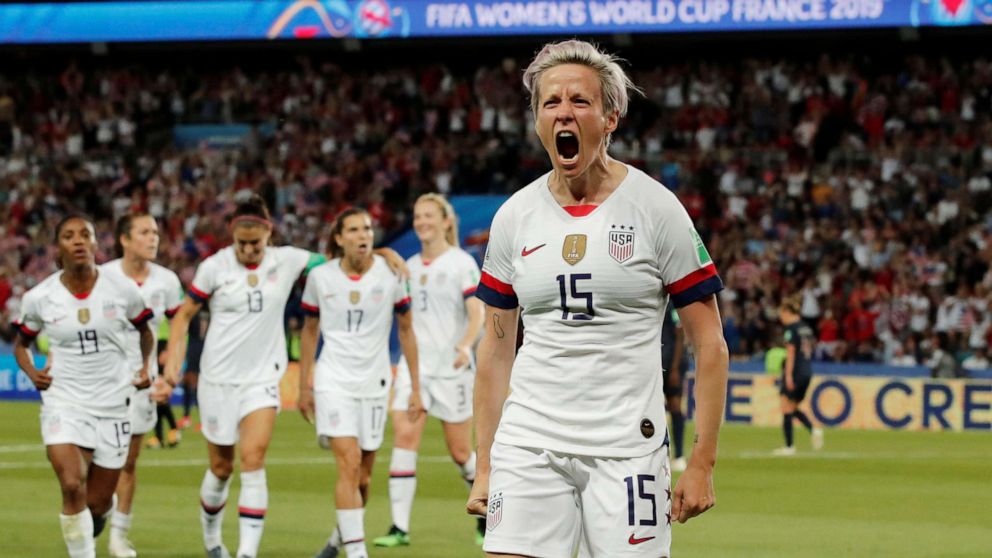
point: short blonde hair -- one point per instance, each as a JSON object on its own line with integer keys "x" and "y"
{"x": 450, "y": 235}
{"x": 614, "y": 82}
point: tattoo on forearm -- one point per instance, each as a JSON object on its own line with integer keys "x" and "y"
{"x": 695, "y": 439}
{"x": 497, "y": 327}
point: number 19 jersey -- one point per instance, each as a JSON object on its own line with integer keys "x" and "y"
{"x": 592, "y": 283}
{"x": 89, "y": 338}
{"x": 246, "y": 340}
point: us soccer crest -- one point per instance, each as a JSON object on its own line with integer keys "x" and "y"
{"x": 252, "y": 280}
{"x": 378, "y": 294}
{"x": 273, "y": 275}
{"x": 110, "y": 311}
{"x": 495, "y": 514}
{"x": 83, "y": 315}
{"x": 621, "y": 243}
{"x": 355, "y": 296}
{"x": 574, "y": 248}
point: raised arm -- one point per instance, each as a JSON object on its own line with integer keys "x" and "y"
{"x": 495, "y": 355}
{"x": 694, "y": 493}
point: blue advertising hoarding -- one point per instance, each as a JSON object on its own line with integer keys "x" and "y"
{"x": 185, "y": 20}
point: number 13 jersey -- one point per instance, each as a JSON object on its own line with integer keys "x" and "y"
{"x": 246, "y": 340}
{"x": 592, "y": 283}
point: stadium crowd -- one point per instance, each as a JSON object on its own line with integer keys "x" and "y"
{"x": 865, "y": 186}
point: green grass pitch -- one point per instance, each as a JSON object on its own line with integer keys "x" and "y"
{"x": 871, "y": 494}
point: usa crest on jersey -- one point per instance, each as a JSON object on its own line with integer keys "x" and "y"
{"x": 621, "y": 244}
{"x": 495, "y": 514}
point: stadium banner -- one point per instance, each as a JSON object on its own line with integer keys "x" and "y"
{"x": 863, "y": 403}
{"x": 212, "y": 20}
{"x": 218, "y": 136}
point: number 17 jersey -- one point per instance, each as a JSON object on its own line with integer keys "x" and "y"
{"x": 592, "y": 283}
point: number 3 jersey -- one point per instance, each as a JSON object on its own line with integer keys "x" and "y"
{"x": 246, "y": 340}
{"x": 89, "y": 337}
{"x": 356, "y": 314}
{"x": 592, "y": 283}
{"x": 162, "y": 292}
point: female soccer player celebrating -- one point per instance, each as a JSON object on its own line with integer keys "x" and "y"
{"x": 162, "y": 292}
{"x": 350, "y": 301}
{"x": 446, "y": 318}
{"x": 88, "y": 316}
{"x": 591, "y": 252}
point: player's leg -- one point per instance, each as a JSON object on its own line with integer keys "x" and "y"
{"x": 626, "y": 505}
{"x": 71, "y": 465}
{"x": 452, "y": 403}
{"x": 816, "y": 433}
{"x": 255, "y": 434}
{"x": 338, "y": 421}
{"x": 142, "y": 415}
{"x": 788, "y": 408}
{"x": 109, "y": 455}
{"x": 219, "y": 413}
{"x": 673, "y": 403}
{"x": 348, "y": 496}
{"x": 189, "y": 397}
{"x": 458, "y": 437}
{"x": 403, "y": 460}
{"x": 533, "y": 504}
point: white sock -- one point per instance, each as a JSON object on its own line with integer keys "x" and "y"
{"x": 77, "y": 531}
{"x": 335, "y": 539}
{"x": 467, "y": 470}
{"x": 352, "y": 527}
{"x": 213, "y": 497}
{"x": 252, "y": 503}
{"x": 120, "y": 524}
{"x": 402, "y": 486}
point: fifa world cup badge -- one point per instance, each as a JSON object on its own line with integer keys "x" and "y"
{"x": 83, "y": 315}
{"x": 574, "y": 248}
{"x": 252, "y": 280}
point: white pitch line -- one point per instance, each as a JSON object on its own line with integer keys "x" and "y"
{"x": 21, "y": 448}
{"x": 198, "y": 462}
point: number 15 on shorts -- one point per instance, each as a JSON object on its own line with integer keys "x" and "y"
{"x": 641, "y": 488}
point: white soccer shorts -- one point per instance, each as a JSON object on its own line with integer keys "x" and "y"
{"x": 222, "y": 406}
{"x": 342, "y": 416}
{"x": 550, "y": 504}
{"x": 109, "y": 438}
{"x": 143, "y": 412}
{"x": 449, "y": 398}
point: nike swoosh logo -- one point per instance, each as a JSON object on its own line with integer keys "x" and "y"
{"x": 525, "y": 252}
{"x": 634, "y": 540}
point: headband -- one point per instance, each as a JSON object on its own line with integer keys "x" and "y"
{"x": 250, "y": 219}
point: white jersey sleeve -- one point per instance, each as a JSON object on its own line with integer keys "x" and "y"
{"x": 687, "y": 270}
{"x": 30, "y": 323}
{"x": 496, "y": 284}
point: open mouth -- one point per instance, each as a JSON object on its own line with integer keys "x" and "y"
{"x": 567, "y": 144}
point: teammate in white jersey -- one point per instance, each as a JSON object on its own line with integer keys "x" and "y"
{"x": 246, "y": 286}
{"x": 137, "y": 244}
{"x": 447, "y": 319}
{"x": 575, "y": 456}
{"x": 88, "y": 316}
{"x": 350, "y": 302}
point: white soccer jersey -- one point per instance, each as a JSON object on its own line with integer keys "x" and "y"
{"x": 356, "y": 314}
{"x": 438, "y": 290}
{"x": 162, "y": 292}
{"x": 246, "y": 340}
{"x": 89, "y": 337}
{"x": 593, "y": 283}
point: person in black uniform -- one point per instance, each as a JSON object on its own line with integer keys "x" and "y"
{"x": 674, "y": 364}
{"x": 796, "y": 374}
